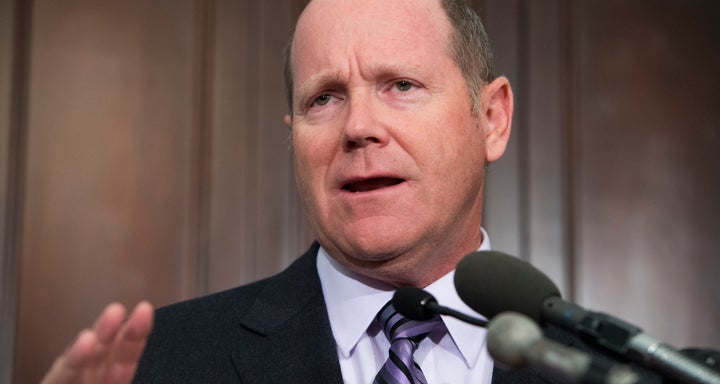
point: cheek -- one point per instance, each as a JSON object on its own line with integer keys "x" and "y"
{"x": 308, "y": 191}
{"x": 457, "y": 162}
{"x": 303, "y": 164}
{"x": 455, "y": 144}
{"x": 312, "y": 155}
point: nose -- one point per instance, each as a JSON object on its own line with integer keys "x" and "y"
{"x": 363, "y": 126}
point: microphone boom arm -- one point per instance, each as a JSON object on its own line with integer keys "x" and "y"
{"x": 626, "y": 340}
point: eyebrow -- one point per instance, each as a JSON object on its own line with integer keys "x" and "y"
{"x": 318, "y": 81}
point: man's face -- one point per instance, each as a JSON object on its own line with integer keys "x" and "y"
{"x": 389, "y": 156}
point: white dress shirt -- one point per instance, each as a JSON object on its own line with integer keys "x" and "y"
{"x": 454, "y": 355}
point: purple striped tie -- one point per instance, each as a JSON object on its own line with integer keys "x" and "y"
{"x": 404, "y": 335}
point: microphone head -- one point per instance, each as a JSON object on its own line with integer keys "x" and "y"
{"x": 412, "y": 302}
{"x": 491, "y": 282}
{"x": 509, "y": 338}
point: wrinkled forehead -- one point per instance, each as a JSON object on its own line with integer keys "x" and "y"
{"x": 331, "y": 29}
{"x": 349, "y": 12}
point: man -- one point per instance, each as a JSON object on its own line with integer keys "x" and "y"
{"x": 394, "y": 115}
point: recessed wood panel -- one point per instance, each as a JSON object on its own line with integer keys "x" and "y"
{"x": 545, "y": 157}
{"x": 503, "y": 211}
{"x": 257, "y": 227}
{"x": 109, "y": 190}
{"x": 648, "y": 127}
{"x": 10, "y": 82}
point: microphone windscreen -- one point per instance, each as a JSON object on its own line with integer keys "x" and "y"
{"x": 510, "y": 337}
{"x": 491, "y": 282}
{"x": 410, "y": 302}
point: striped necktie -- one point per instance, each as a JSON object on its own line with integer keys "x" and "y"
{"x": 404, "y": 335}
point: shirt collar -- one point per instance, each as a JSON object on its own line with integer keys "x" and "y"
{"x": 353, "y": 300}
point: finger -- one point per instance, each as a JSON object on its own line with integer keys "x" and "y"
{"x": 111, "y": 349}
{"x": 109, "y": 322}
{"x": 68, "y": 367}
{"x": 83, "y": 351}
{"x": 133, "y": 335}
{"x": 129, "y": 344}
{"x": 120, "y": 373}
{"x": 140, "y": 322}
{"x": 93, "y": 364}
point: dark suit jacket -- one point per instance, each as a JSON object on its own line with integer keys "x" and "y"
{"x": 275, "y": 330}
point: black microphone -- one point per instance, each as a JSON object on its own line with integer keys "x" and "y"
{"x": 417, "y": 304}
{"x": 516, "y": 341}
{"x": 492, "y": 282}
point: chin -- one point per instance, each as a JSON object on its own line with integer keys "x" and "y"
{"x": 373, "y": 240}
{"x": 375, "y": 249}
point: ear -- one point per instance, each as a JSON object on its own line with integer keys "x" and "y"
{"x": 288, "y": 121}
{"x": 496, "y": 102}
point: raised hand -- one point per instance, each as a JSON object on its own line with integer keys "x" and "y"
{"x": 107, "y": 353}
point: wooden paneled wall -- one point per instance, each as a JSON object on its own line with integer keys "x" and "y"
{"x": 646, "y": 136}
{"x": 155, "y": 162}
{"x": 113, "y": 169}
{"x": 143, "y": 155}
{"x": 612, "y": 178}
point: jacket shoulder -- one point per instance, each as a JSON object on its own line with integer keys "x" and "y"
{"x": 208, "y": 339}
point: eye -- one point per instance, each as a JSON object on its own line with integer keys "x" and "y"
{"x": 403, "y": 85}
{"x": 322, "y": 99}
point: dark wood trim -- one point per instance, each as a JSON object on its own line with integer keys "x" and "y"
{"x": 17, "y": 144}
{"x": 570, "y": 144}
{"x": 203, "y": 59}
{"x": 251, "y": 144}
{"x": 521, "y": 120}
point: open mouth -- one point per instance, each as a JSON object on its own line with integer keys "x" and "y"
{"x": 371, "y": 184}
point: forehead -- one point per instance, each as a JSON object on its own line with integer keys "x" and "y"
{"x": 334, "y": 34}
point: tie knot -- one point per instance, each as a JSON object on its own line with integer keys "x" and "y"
{"x": 396, "y": 326}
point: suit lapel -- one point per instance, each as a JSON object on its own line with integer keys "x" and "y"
{"x": 288, "y": 336}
